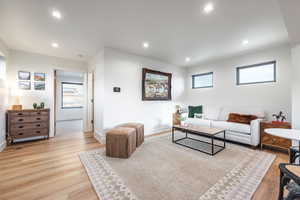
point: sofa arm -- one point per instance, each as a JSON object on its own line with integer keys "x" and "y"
{"x": 255, "y": 132}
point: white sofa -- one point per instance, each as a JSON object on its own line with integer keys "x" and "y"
{"x": 242, "y": 133}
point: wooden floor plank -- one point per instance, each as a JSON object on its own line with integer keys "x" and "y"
{"x": 51, "y": 169}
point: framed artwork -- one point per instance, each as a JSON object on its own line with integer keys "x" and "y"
{"x": 39, "y": 76}
{"x": 24, "y": 76}
{"x": 24, "y": 85}
{"x": 156, "y": 85}
{"x": 39, "y": 85}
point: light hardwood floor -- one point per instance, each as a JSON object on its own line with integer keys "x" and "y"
{"x": 51, "y": 170}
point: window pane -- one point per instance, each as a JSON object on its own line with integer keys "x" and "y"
{"x": 72, "y": 95}
{"x": 2, "y": 67}
{"x": 257, "y": 74}
{"x": 203, "y": 80}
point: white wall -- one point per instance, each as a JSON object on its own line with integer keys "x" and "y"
{"x": 70, "y": 113}
{"x": 296, "y": 87}
{"x": 272, "y": 97}
{"x": 96, "y": 65}
{"x": 3, "y": 98}
{"x": 124, "y": 70}
{"x": 20, "y": 60}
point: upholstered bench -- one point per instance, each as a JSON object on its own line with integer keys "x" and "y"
{"x": 120, "y": 142}
{"x": 139, "y": 127}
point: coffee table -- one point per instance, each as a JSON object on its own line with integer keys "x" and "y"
{"x": 200, "y": 145}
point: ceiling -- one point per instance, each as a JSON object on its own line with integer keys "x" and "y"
{"x": 175, "y": 29}
{"x": 291, "y": 15}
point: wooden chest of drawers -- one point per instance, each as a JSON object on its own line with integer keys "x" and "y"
{"x": 25, "y": 124}
{"x": 273, "y": 141}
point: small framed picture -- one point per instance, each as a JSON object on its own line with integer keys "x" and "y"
{"x": 24, "y": 76}
{"x": 39, "y": 85}
{"x": 39, "y": 76}
{"x": 24, "y": 85}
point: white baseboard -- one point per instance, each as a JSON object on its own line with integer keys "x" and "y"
{"x": 2, "y": 146}
{"x": 160, "y": 130}
{"x": 99, "y": 137}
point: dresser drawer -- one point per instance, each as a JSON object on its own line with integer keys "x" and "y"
{"x": 41, "y": 118}
{"x": 25, "y": 126}
{"x": 29, "y": 133}
{"x": 38, "y": 113}
{"x": 19, "y": 114}
{"x": 275, "y": 141}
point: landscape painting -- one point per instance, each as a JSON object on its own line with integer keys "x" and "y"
{"x": 39, "y": 76}
{"x": 156, "y": 85}
{"x": 24, "y": 85}
{"x": 39, "y": 85}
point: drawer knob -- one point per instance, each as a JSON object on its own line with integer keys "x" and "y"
{"x": 38, "y": 125}
{"x": 21, "y": 126}
{"x": 38, "y": 113}
{"x": 20, "y": 120}
{"x": 20, "y": 113}
{"x": 38, "y": 118}
{"x": 38, "y": 131}
{"x": 20, "y": 134}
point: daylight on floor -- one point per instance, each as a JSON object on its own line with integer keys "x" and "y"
{"x": 149, "y": 100}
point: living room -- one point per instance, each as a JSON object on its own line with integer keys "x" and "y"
{"x": 234, "y": 61}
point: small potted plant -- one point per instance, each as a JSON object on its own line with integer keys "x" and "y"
{"x": 280, "y": 118}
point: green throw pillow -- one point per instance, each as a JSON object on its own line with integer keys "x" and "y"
{"x": 193, "y": 110}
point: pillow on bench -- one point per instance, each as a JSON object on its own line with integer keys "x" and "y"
{"x": 242, "y": 119}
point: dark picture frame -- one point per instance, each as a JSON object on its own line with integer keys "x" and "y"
{"x": 24, "y": 76}
{"x": 38, "y": 76}
{"x": 158, "y": 81}
{"x": 39, "y": 85}
{"x": 24, "y": 85}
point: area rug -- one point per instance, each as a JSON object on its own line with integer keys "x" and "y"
{"x": 162, "y": 170}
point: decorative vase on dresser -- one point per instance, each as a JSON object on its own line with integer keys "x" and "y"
{"x": 273, "y": 141}
{"x": 27, "y": 124}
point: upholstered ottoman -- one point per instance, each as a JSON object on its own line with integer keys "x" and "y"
{"x": 120, "y": 142}
{"x": 139, "y": 127}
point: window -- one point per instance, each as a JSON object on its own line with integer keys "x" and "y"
{"x": 203, "y": 80}
{"x": 258, "y": 73}
{"x": 72, "y": 95}
{"x": 2, "y": 67}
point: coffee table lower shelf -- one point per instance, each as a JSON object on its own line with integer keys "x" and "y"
{"x": 209, "y": 148}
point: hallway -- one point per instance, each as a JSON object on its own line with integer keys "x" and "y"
{"x": 69, "y": 126}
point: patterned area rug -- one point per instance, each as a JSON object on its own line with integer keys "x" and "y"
{"x": 162, "y": 170}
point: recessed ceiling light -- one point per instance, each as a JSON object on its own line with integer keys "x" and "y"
{"x": 245, "y": 42}
{"x": 54, "y": 45}
{"x": 56, "y": 14}
{"x": 146, "y": 45}
{"x": 187, "y": 59}
{"x": 208, "y": 8}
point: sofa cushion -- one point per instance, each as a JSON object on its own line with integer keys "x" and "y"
{"x": 248, "y": 110}
{"x": 239, "y": 118}
{"x": 195, "y": 109}
{"x": 231, "y": 126}
{"x": 198, "y": 122}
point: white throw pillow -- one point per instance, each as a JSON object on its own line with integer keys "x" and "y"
{"x": 199, "y": 116}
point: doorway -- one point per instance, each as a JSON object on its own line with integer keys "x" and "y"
{"x": 70, "y": 95}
